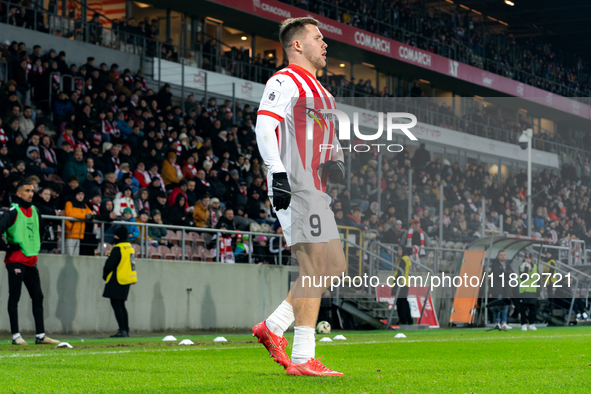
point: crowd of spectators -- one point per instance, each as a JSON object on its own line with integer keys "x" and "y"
{"x": 456, "y": 35}
{"x": 113, "y": 148}
{"x": 560, "y": 201}
{"x": 543, "y": 66}
{"x": 117, "y": 148}
{"x": 451, "y": 34}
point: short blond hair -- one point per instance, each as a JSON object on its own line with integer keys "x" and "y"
{"x": 292, "y": 26}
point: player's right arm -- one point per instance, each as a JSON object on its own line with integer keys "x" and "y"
{"x": 275, "y": 104}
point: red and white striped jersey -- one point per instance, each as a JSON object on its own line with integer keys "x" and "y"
{"x": 296, "y": 99}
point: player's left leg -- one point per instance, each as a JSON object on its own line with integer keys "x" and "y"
{"x": 306, "y": 305}
{"x": 270, "y": 331}
{"x": 317, "y": 262}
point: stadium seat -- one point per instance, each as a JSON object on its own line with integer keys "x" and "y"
{"x": 189, "y": 239}
{"x": 208, "y": 254}
{"x": 197, "y": 240}
{"x": 137, "y": 250}
{"x": 188, "y": 253}
{"x": 177, "y": 251}
{"x": 166, "y": 253}
{"x": 153, "y": 253}
{"x": 198, "y": 254}
{"x": 172, "y": 237}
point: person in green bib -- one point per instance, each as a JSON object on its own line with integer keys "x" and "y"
{"x": 22, "y": 226}
{"x": 119, "y": 274}
{"x": 528, "y": 301}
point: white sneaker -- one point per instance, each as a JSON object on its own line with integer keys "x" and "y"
{"x": 505, "y": 326}
{"x": 532, "y": 327}
{"x": 524, "y": 327}
{"x": 585, "y": 316}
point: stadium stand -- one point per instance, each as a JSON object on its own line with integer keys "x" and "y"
{"x": 111, "y": 132}
{"x": 163, "y": 147}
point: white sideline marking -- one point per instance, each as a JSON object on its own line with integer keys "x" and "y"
{"x": 202, "y": 349}
{"x": 84, "y": 353}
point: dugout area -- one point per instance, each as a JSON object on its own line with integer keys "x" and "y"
{"x": 470, "y": 304}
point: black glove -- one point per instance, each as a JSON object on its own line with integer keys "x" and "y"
{"x": 281, "y": 191}
{"x": 334, "y": 171}
{"x": 3, "y": 245}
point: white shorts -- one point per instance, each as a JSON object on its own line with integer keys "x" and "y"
{"x": 308, "y": 219}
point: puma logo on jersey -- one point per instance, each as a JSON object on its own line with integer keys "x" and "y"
{"x": 280, "y": 82}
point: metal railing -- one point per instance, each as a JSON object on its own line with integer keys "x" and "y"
{"x": 346, "y": 233}
{"x": 573, "y": 289}
{"x": 144, "y": 243}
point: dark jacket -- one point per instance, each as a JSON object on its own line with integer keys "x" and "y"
{"x": 113, "y": 289}
{"x": 500, "y": 287}
{"x": 177, "y": 214}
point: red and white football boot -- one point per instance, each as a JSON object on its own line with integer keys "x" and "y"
{"x": 274, "y": 343}
{"x": 313, "y": 367}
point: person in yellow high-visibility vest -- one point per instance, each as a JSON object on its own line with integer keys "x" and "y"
{"x": 528, "y": 300}
{"x": 119, "y": 274}
{"x": 403, "y": 263}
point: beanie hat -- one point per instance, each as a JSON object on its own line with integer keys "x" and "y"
{"x": 121, "y": 233}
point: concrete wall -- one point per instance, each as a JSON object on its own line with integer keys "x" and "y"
{"x": 76, "y": 51}
{"x": 223, "y": 295}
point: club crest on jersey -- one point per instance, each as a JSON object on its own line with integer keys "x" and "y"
{"x": 316, "y": 115}
{"x": 273, "y": 98}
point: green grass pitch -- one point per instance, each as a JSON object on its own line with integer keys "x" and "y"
{"x": 551, "y": 360}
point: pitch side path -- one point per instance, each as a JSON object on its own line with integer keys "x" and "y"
{"x": 550, "y": 360}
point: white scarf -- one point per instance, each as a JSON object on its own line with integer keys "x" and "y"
{"x": 111, "y": 128}
{"x": 193, "y": 169}
{"x": 146, "y": 176}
